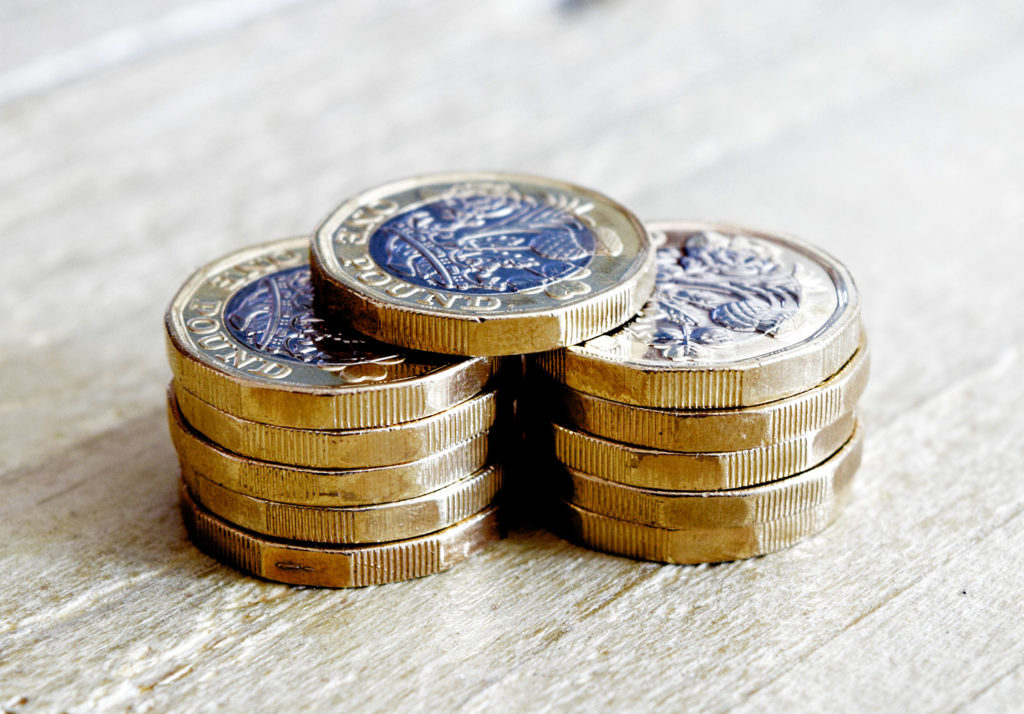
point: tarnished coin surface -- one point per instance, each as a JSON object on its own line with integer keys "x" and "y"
{"x": 333, "y": 566}
{"x": 324, "y": 487}
{"x": 339, "y": 449}
{"x": 691, "y": 545}
{"x": 350, "y": 524}
{"x": 715, "y": 429}
{"x": 698, "y": 471}
{"x": 242, "y": 336}
{"x": 822, "y": 485}
{"x": 739, "y": 317}
{"x": 482, "y": 263}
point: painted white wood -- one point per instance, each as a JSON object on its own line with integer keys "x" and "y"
{"x": 889, "y": 133}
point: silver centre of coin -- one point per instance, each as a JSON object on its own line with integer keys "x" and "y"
{"x": 721, "y": 298}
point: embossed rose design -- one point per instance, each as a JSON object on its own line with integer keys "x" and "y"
{"x": 713, "y": 292}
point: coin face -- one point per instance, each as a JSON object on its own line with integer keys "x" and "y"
{"x": 244, "y": 337}
{"x": 483, "y": 263}
{"x": 738, "y": 317}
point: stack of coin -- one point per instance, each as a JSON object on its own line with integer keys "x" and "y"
{"x": 313, "y": 455}
{"x": 720, "y": 422}
{"x": 712, "y": 421}
{"x": 483, "y": 264}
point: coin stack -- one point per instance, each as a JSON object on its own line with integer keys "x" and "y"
{"x": 335, "y": 399}
{"x": 719, "y": 423}
{"x": 313, "y": 455}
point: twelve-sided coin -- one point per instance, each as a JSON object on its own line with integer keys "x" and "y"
{"x": 482, "y": 263}
{"x": 243, "y": 337}
{"x": 739, "y": 317}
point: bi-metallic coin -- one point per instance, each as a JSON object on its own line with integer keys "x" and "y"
{"x": 243, "y": 337}
{"x": 482, "y": 263}
{"x": 739, "y": 317}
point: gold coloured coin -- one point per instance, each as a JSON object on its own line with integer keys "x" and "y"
{"x": 324, "y": 487}
{"x": 349, "y": 449}
{"x": 822, "y": 485}
{"x": 688, "y": 471}
{"x": 351, "y": 524}
{"x": 242, "y": 336}
{"x": 739, "y": 317}
{"x": 337, "y": 567}
{"x": 482, "y": 263}
{"x": 717, "y": 430}
{"x": 692, "y": 545}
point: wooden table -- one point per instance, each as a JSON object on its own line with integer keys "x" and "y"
{"x": 140, "y": 139}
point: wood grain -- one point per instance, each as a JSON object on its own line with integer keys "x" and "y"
{"x": 888, "y": 133}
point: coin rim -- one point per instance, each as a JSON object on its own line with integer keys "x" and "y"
{"x": 700, "y": 509}
{"x": 777, "y": 421}
{"x": 747, "y": 382}
{"x": 316, "y": 406}
{"x": 322, "y": 446}
{"x": 650, "y": 543}
{"x": 660, "y": 469}
{"x": 297, "y": 563}
{"x": 349, "y": 525}
{"x": 252, "y": 477}
{"x": 477, "y": 334}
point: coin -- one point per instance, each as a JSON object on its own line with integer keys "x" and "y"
{"x": 708, "y": 471}
{"x": 324, "y": 487}
{"x": 347, "y": 449}
{"x": 337, "y": 567}
{"x": 351, "y": 524}
{"x": 241, "y": 335}
{"x": 716, "y": 430}
{"x": 821, "y": 485}
{"x": 739, "y": 317}
{"x": 691, "y": 545}
{"x": 482, "y": 263}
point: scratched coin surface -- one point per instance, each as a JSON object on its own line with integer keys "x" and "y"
{"x": 243, "y": 337}
{"x": 739, "y": 317}
{"x": 482, "y": 263}
{"x": 299, "y": 563}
